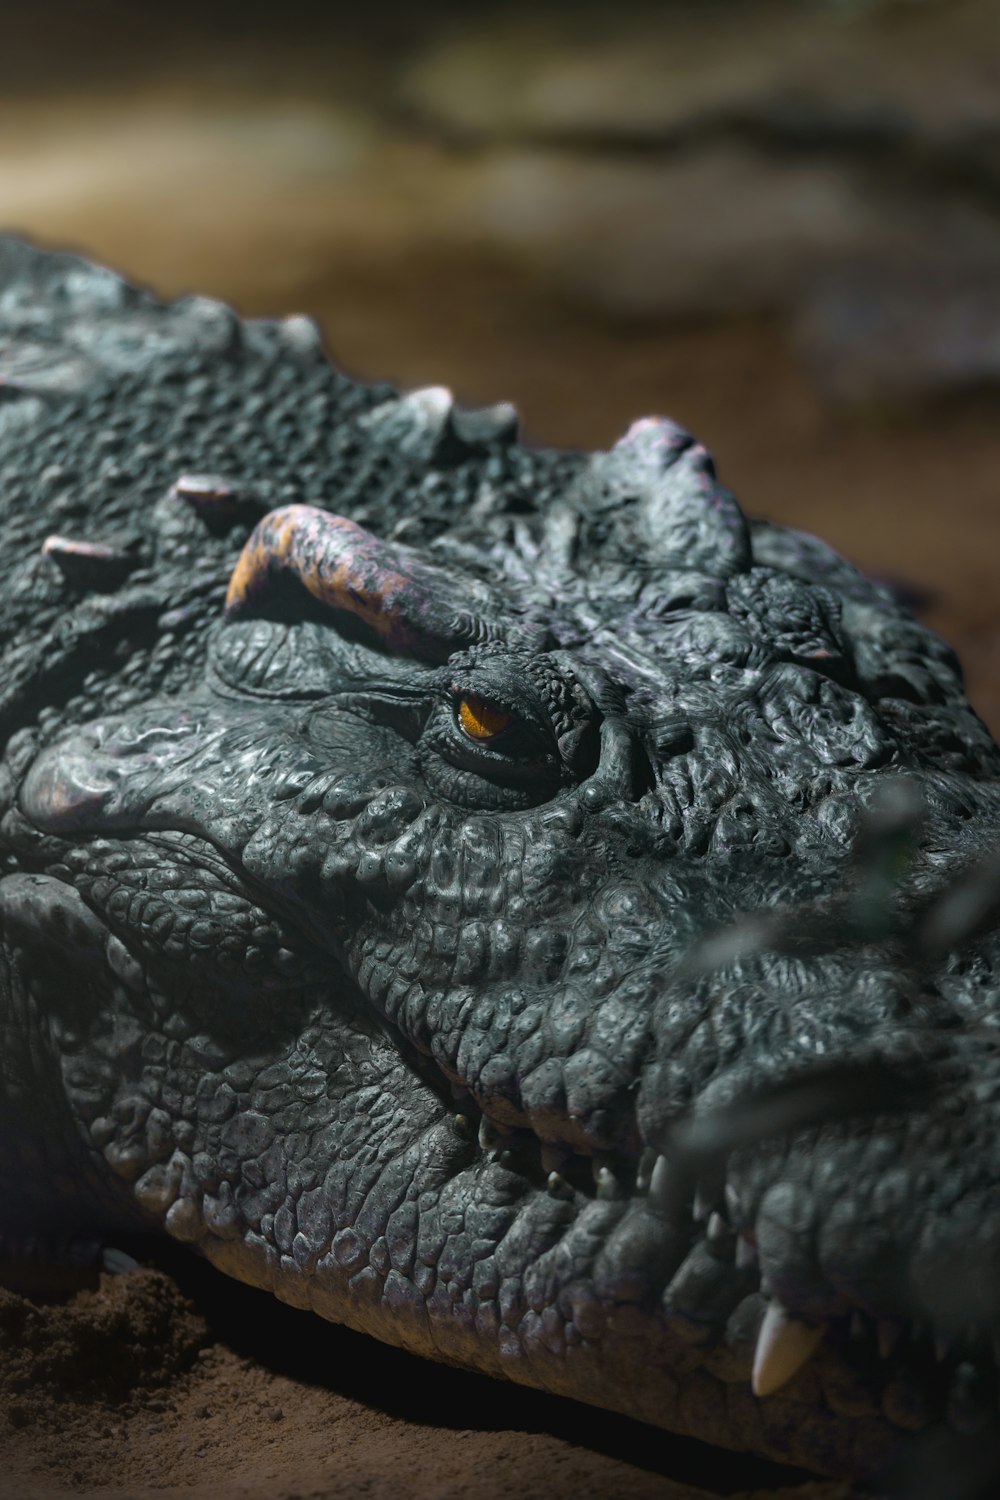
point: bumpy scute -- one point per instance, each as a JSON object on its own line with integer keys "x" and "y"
{"x": 506, "y": 901}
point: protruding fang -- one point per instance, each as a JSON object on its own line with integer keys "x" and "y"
{"x": 647, "y": 1161}
{"x": 717, "y": 1229}
{"x": 746, "y": 1254}
{"x": 888, "y": 1337}
{"x": 660, "y": 1184}
{"x": 488, "y": 1136}
{"x": 606, "y": 1184}
{"x": 702, "y": 1206}
{"x": 557, "y": 1185}
{"x": 733, "y": 1207}
{"x": 783, "y": 1347}
{"x": 462, "y": 1126}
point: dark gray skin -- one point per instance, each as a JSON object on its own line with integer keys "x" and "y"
{"x": 556, "y": 1051}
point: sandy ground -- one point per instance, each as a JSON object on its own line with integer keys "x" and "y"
{"x": 160, "y": 1384}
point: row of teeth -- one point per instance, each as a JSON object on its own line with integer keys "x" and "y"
{"x": 655, "y": 1179}
{"x": 784, "y": 1343}
{"x": 563, "y": 1168}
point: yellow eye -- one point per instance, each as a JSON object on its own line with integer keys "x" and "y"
{"x": 481, "y": 720}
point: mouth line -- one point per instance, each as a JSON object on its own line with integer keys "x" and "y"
{"x": 953, "y": 1371}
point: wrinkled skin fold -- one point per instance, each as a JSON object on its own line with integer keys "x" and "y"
{"x": 507, "y": 902}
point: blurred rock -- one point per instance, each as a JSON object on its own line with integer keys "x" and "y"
{"x": 703, "y": 233}
{"x": 898, "y": 335}
{"x": 643, "y": 166}
{"x": 921, "y": 75}
{"x": 698, "y": 161}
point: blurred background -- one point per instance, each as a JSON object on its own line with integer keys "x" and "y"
{"x": 776, "y": 221}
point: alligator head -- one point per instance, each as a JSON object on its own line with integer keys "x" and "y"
{"x": 545, "y": 930}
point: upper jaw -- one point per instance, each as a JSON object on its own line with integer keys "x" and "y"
{"x": 684, "y": 1260}
{"x": 639, "y": 1246}
{"x": 580, "y": 1291}
{"x": 694, "y": 1239}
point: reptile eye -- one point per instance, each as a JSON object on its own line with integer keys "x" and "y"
{"x": 503, "y": 732}
{"x": 481, "y": 720}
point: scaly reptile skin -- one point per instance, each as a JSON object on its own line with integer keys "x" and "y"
{"x": 500, "y": 918}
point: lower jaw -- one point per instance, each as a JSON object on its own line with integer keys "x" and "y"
{"x": 825, "y": 1421}
{"x": 844, "y": 1414}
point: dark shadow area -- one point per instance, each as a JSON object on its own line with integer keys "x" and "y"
{"x": 299, "y": 1345}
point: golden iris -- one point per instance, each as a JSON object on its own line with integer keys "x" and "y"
{"x": 481, "y": 720}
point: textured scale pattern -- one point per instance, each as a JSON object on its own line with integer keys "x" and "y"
{"x": 643, "y": 1047}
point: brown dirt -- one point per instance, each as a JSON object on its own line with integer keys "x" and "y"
{"x": 140, "y": 1388}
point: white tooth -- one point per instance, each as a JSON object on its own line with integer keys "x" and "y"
{"x": 732, "y": 1203}
{"x": 606, "y": 1183}
{"x": 746, "y": 1254}
{"x": 659, "y": 1183}
{"x": 701, "y": 1207}
{"x": 783, "y": 1347}
{"x": 647, "y": 1160}
{"x": 558, "y": 1186}
{"x": 717, "y": 1229}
